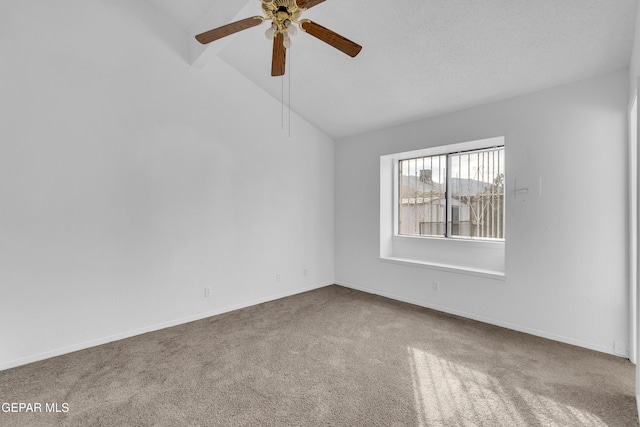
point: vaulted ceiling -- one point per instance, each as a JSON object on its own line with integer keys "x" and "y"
{"x": 420, "y": 58}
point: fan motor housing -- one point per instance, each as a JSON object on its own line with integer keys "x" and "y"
{"x": 280, "y": 10}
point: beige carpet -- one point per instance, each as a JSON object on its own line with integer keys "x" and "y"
{"x": 334, "y": 357}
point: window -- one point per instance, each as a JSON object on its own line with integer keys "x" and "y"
{"x": 443, "y": 207}
{"x": 457, "y": 194}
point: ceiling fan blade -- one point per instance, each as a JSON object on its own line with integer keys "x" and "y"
{"x": 307, "y": 4}
{"x": 328, "y": 36}
{"x": 279, "y": 56}
{"x": 225, "y": 30}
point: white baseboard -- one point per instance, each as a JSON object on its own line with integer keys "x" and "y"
{"x": 104, "y": 340}
{"x": 508, "y": 325}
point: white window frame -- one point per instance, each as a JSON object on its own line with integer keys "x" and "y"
{"x": 479, "y": 257}
{"x": 449, "y": 205}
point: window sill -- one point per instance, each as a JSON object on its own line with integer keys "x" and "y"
{"x": 454, "y": 241}
{"x": 489, "y": 274}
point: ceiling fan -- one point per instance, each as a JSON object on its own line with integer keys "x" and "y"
{"x": 283, "y": 14}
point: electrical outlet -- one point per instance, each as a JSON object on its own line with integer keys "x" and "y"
{"x": 207, "y": 292}
{"x": 278, "y": 277}
{"x": 436, "y": 286}
{"x": 305, "y": 272}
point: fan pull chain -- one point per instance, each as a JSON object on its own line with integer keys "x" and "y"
{"x": 288, "y": 95}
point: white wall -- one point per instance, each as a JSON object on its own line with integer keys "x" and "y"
{"x": 634, "y": 68}
{"x": 565, "y": 252}
{"x": 129, "y": 181}
{"x": 634, "y": 73}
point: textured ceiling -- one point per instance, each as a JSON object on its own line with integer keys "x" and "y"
{"x": 420, "y": 58}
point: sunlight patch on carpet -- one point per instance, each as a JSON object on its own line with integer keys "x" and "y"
{"x": 552, "y": 413}
{"x": 448, "y": 393}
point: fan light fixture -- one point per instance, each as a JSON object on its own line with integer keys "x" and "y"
{"x": 283, "y": 14}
